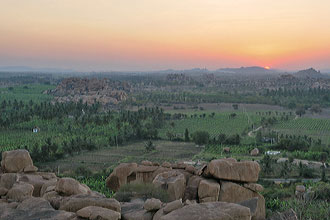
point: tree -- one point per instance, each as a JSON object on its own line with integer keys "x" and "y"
{"x": 316, "y": 108}
{"x": 300, "y": 111}
{"x": 201, "y": 137}
{"x": 150, "y": 146}
{"x": 186, "y": 135}
{"x": 266, "y": 164}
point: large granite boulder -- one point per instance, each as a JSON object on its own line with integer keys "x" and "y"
{"x": 69, "y": 186}
{"x": 77, "y": 202}
{"x": 97, "y": 213}
{"x": 152, "y": 204}
{"x": 121, "y": 175}
{"x": 235, "y": 193}
{"x": 135, "y": 211}
{"x": 32, "y": 209}
{"x": 173, "y": 182}
{"x": 230, "y": 169}
{"x": 7, "y": 180}
{"x": 191, "y": 191}
{"x": 208, "y": 190}
{"x": 20, "y": 191}
{"x": 16, "y": 161}
{"x": 210, "y": 211}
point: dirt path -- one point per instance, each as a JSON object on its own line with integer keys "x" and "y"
{"x": 250, "y": 134}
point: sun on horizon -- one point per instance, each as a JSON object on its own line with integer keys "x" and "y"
{"x": 267, "y": 67}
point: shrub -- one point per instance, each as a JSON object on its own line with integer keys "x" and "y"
{"x": 140, "y": 190}
{"x": 83, "y": 171}
{"x": 201, "y": 137}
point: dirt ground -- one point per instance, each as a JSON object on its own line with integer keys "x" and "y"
{"x": 110, "y": 157}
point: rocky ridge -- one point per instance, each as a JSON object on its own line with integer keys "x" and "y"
{"x": 104, "y": 91}
{"x": 209, "y": 193}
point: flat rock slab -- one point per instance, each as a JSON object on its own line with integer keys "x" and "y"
{"x": 210, "y": 211}
{"x": 229, "y": 169}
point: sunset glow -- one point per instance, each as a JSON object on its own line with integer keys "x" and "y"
{"x": 154, "y": 34}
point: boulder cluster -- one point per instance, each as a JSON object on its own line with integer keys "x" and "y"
{"x": 26, "y": 194}
{"x": 222, "y": 189}
{"x": 104, "y": 91}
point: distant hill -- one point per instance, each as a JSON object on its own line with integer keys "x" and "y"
{"x": 257, "y": 70}
{"x": 33, "y": 69}
{"x": 309, "y": 73}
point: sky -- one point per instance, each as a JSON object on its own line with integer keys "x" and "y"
{"x": 144, "y": 35}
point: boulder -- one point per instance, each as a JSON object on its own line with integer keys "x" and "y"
{"x": 173, "y": 182}
{"x": 77, "y": 202}
{"x": 121, "y": 175}
{"x": 229, "y": 169}
{"x": 152, "y": 204}
{"x": 147, "y": 163}
{"x": 3, "y": 191}
{"x": 177, "y": 204}
{"x": 145, "y": 174}
{"x": 96, "y": 213}
{"x": 45, "y": 187}
{"x": 191, "y": 191}
{"x": 208, "y": 190}
{"x": 254, "y": 187}
{"x": 210, "y": 211}
{"x": 32, "y": 209}
{"x": 16, "y": 161}
{"x": 301, "y": 188}
{"x": 30, "y": 169}
{"x": 166, "y": 164}
{"x": 35, "y": 180}
{"x": 254, "y": 152}
{"x": 234, "y": 193}
{"x": 300, "y": 191}
{"x": 252, "y": 204}
{"x": 69, "y": 186}
{"x": 226, "y": 150}
{"x": 134, "y": 211}
{"x": 7, "y": 180}
{"x": 191, "y": 169}
{"x": 20, "y": 191}
{"x": 190, "y": 202}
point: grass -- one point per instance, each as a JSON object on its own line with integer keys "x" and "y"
{"x": 313, "y": 127}
{"x": 26, "y": 93}
{"x": 110, "y": 157}
{"x": 220, "y": 123}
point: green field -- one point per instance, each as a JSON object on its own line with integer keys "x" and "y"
{"x": 312, "y": 127}
{"x": 26, "y": 92}
{"x": 220, "y": 123}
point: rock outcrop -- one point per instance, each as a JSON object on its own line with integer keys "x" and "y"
{"x": 29, "y": 195}
{"x": 224, "y": 182}
{"x": 104, "y": 91}
{"x": 207, "y": 193}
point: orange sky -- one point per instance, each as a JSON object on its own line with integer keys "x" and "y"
{"x": 161, "y": 34}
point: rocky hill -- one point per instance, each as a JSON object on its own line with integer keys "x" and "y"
{"x": 309, "y": 73}
{"x": 104, "y": 91}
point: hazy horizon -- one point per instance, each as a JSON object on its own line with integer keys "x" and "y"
{"x": 149, "y": 35}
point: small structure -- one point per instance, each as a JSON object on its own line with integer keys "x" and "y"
{"x": 35, "y": 129}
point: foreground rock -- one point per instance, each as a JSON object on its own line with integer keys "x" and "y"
{"x": 210, "y": 211}
{"x": 96, "y": 213}
{"x": 41, "y": 195}
{"x": 235, "y": 193}
{"x": 230, "y": 169}
{"x": 121, "y": 175}
{"x": 16, "y": 161}
{"x": 173, "y": 181}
